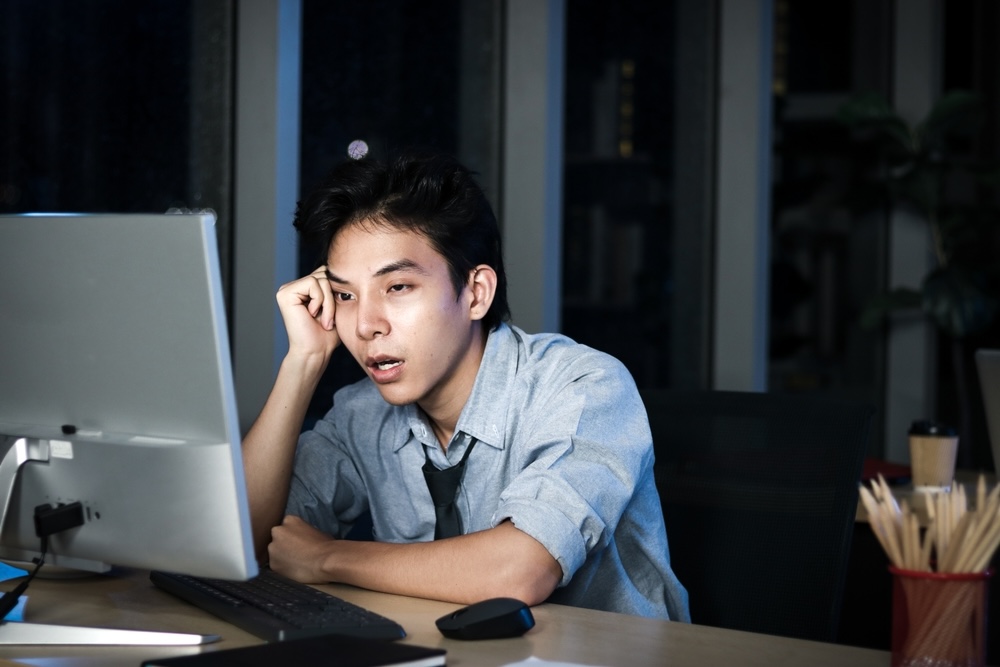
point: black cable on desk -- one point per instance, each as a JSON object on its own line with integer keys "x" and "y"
{"x": 9, "y": 599}
{"x": 48, "y": 521}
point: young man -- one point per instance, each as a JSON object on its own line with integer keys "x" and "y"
{"x": 548, "y": 438}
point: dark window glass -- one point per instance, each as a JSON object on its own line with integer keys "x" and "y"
{"x": 634, "y": 268}
{"x": 380, "y": 72}
{"x": 116, "y": 106}
{"x": 97, "y": 105}
{"x": 827, "y": 259}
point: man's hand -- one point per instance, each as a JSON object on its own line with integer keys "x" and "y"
{"x": 308, "y": 307}
{"x": 297, "y": 551}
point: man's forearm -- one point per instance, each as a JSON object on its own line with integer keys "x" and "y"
{"x": 269, "y": 446}
{"x": 499, "y": 562}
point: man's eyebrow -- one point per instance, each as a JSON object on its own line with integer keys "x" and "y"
{"x": 392, "y": 267}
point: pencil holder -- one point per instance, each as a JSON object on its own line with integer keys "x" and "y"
{"x": 939, "y": 619}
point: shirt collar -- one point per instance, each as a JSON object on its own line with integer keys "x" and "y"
{"x": 419, "y": 426}
{"x": 484, "y": 416}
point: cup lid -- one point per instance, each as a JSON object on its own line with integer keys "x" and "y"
{"x": 928, "y": 427}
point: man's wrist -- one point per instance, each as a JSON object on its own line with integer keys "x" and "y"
{"x": 305, "y": 364}
{"x": 344, "y": 561}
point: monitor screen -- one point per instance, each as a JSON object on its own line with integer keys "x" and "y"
{"x": 116, "y": 392}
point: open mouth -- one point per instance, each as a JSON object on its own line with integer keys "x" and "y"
{"x": 383, "y": 368}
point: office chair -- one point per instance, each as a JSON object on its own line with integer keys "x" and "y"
{"x": 759, "y": 495}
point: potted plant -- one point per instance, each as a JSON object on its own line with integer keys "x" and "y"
{"x": 934, "y": 168}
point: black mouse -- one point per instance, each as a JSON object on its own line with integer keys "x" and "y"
{"x": 495, "y": 618}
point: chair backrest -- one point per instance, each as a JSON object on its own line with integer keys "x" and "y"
{"x": 759, "y": 495}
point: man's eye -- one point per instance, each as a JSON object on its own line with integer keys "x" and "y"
{"x": 398, "y": 288}
{"x": 342, "y": 296}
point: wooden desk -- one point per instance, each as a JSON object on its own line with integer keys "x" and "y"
{"x": 561, "y": 633}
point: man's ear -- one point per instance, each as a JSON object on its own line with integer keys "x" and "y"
{"x": 482, "y": 289}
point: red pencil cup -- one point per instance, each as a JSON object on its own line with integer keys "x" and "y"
{"x": 939, "y": 618}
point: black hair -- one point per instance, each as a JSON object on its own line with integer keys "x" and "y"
{"x": 433, "y": 195}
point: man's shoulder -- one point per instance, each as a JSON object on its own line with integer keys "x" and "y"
{"x": 557, "y": 353}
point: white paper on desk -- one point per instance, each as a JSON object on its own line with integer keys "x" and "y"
{"x": 538, "y": 662}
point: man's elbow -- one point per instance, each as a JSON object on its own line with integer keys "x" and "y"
{"x": 522, "y": 567}
{"x": 538, "y": 590}
{"x": 534, "y": 581}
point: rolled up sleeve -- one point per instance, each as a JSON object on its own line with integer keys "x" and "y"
{"x": 586, "y": 448}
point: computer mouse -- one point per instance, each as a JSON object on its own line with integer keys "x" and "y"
{"x": 495, "y": 618}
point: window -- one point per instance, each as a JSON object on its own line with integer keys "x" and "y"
{"x": 116, "y": 106}
{"x": 637, "y": 230}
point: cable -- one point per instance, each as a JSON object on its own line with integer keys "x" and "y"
{"x": 9, "y": 599}
{"x": 48, "y": 521}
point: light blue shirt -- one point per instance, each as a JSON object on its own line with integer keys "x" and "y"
{"x": 563, "y": 451}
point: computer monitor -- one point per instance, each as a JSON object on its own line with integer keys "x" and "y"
{"x": 116, "y": 392}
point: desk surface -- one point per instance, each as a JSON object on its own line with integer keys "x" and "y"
{"x": 561, "y": 633}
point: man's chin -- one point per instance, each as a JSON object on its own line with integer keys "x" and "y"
{"x": 394, "y": 395}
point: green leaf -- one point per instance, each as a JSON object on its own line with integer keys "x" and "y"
{"x": 958, "y": 110}
{"x": 871, "y": 111}
{"x": 931, "y": 168}
{"x": 988, "y": 175}
{"x": 921, "y": 187}
{"x": 958, "y": 301}
{"x": 880, "y": 306}
{"x": 967, "y": 232}
{"x": 867, "y": 108}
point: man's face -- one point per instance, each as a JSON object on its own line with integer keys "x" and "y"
{"x": 399, "y": 316}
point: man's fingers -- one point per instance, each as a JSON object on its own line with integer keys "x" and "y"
{"x": 329, "y": 305}
{"x": 315, "y": 293}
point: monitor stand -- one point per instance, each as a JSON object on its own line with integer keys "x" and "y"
{"x": 12, "y": 632}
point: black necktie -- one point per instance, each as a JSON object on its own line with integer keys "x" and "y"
{"x": 443, "y": 485}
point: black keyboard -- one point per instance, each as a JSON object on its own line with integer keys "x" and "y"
{"x": 275, "y": 608}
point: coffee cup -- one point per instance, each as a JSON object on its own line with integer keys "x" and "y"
{"x": 933, "y": 449}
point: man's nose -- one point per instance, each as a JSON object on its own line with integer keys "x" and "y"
{"x": 371, "y": 319}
